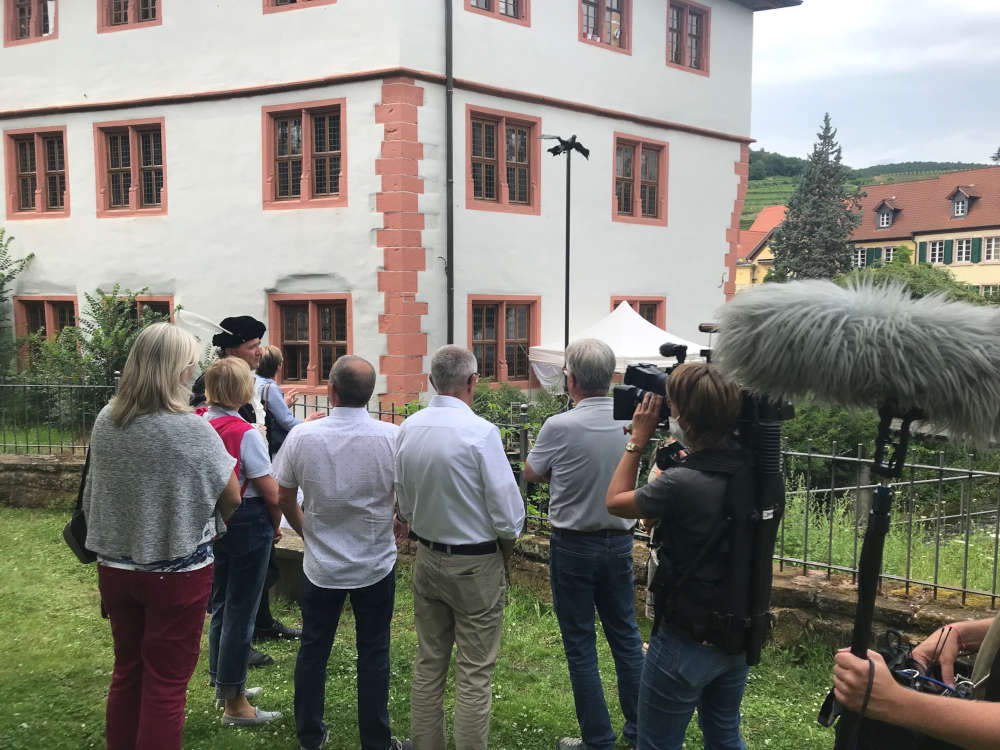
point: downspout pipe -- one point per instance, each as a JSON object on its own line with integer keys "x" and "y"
{"x": 449, "y": 169}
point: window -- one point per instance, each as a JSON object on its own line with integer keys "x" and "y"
{"x": 117, "y": 15}
{"x": 640, "y": 180}
{"x": 36, "y": 174}
{"x": 991, "y": 248}
{"x": 687, "y": 36}
{"x": 860, "y": 259}
{"x": 503, "y": 154}
{"x": 884, "y": 218}
{"x": 963, "y": 251}
{"x": 501, "y": 331}
{"x": 305, "y": 155}
{"x": 161, "y": 305}
{"x": 29, "y": 21}
{"x": 516, "y": 11}
{"x": 888, "y": 253}
{"x": 607, "y": 23}
{"x": 652, "y": 309}
{"x": 312, "y": 331}
{"x": 990, "y": 291}
{"x": 45, "y": 315}
{"x": 959, "y": 206}
{"x": 936, "y": 249}
{"x": 131, "y": 168}
{"x": 274, "y": 6}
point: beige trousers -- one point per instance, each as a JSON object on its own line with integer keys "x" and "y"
{"x": 457, "y": 599}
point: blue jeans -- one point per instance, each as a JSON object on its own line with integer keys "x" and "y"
{"x": 681, "y": 675}
{"x": 321, "y": 610}
{"x": 240, "y": 568}
{"x": 588, "y": 572}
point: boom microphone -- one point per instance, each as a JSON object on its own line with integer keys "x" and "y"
{"x": 868, "y": 345}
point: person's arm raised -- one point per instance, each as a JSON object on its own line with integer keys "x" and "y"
{"x": 620, "y": 500}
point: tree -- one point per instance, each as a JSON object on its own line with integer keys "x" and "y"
{"x": 996, "y": 155}
{"x": 813, "y": 241}
{"x": 10, "y": 267}
{"x": 921, "y": 279}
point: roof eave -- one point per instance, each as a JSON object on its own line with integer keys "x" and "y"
{"x": 756, "y": 5}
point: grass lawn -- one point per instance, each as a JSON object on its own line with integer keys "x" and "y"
{"x": 58, "y": 659}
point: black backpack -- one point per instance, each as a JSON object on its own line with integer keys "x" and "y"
{"x": 735, "y": 614}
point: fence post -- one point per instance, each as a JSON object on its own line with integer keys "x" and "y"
{"x": 523, "y": 449}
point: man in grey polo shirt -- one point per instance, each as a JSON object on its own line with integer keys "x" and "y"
{"x": 590, "y": 551}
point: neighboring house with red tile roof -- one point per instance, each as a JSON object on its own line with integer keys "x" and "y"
{"x": 755, "y": 257}
{"x": 951, "y": 221}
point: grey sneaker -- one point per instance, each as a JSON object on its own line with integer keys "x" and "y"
{"x": 570, "y": 743}
{"x": 259, "y": 718}
{"x": 250, "y": 693}
{"x": 397, "y": 744}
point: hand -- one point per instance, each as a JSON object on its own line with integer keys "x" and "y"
{"x": 290, "y": 395}
{"x": 400, "y": 530}
{"x": 645, "y": 419}
{"x": 942, "y": 643}
{"x": 314, "y": 416}
{"x": 850, "y": 682}
{"x": 278, "y": 533}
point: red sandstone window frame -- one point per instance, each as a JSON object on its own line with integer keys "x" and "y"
{"x": 51, "y": 303}
{"x": 35, "y": 33}
{"x": 276, "y": 6}
{"x": 315, "y": 381}
{"x": 148, "y": 300}
{"x": 601, "y": 10}
{"x": 686, "y": 9}
{"x": 503, "y": 119}
{"x": 662, "y": 182}
{"x": 134, "y": 130}
{"x": 523, "y": 17}
{"x": 41, "y": 209}
{"x": 105, "y": 12}
{"x": 639, "y": 302}
{"x": 307, "y": 111}
{"x": 534, "y": 305}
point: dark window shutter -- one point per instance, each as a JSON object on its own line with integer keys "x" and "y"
{"x": 872, "y": 255}
{"x": 922, "y": 256}
{"x": 977, "y": 249}
{"x": 948, "y": 246}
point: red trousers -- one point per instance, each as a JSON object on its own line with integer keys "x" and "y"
{"x": 156, "y": 621}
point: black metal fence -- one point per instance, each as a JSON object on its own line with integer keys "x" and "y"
{"x": 944, "y": 538}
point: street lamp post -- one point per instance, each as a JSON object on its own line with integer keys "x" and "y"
{"x": 567, "y": 146}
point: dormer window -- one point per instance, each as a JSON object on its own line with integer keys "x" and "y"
{"x": 884, "y": 218}
{"x": 959, "y": 206}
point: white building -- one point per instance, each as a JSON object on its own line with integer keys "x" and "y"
{"x": 288, "y": 159}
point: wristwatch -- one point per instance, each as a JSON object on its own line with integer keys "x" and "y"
{"x": 631, "y": 447}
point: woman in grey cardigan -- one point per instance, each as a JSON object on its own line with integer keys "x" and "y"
{"x": 159, "y": 490}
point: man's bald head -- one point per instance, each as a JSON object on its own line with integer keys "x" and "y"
{"x": 353, "y": 378}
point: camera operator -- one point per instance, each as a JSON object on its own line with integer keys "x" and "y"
{"x": 966, "y": 723}
{"x": 590, "y": 551}
{"x": 683, "y": 670}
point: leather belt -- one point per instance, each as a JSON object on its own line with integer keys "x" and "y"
{"x": 483, "y": 548}
{"x": 599, "y": 532}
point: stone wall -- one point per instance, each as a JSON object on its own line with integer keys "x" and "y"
{"x": 40, "y": 481}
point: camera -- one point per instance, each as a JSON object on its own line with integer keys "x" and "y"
{"x": 646, "y": 378}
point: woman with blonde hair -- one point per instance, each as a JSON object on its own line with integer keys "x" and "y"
{"x": 241, "y": 555}
{"x": 158, "y": 491}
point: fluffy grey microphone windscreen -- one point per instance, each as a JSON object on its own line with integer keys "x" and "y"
{"x": 865, "y": 344}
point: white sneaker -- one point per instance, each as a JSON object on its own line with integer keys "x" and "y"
{"x": 259, "y": 717}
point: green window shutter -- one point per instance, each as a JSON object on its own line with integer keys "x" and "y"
{"x": 948, "y": 256}
{"x": 922, "y": 252}
{"x": 872, "y": 255}
{"x": 977, "y": 249}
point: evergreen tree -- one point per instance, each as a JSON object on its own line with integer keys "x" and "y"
{"x": 813, "y": 241}
{"x": 996, "y": 155}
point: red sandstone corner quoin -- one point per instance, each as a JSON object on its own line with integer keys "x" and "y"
{"x": 401, "y": 240}
{"x": 742, "y": 170}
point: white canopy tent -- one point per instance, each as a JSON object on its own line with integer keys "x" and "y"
{"x": 632, "y": 338}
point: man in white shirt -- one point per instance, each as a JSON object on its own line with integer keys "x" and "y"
{"x": 590, "y": 551}
{"x": 344, "y": 465}
{"x": 455, "y": 485}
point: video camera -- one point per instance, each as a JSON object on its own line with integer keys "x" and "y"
{"x": 646, "y": 378}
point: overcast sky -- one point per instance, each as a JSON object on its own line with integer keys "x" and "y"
{"x": 903, "y": 80}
